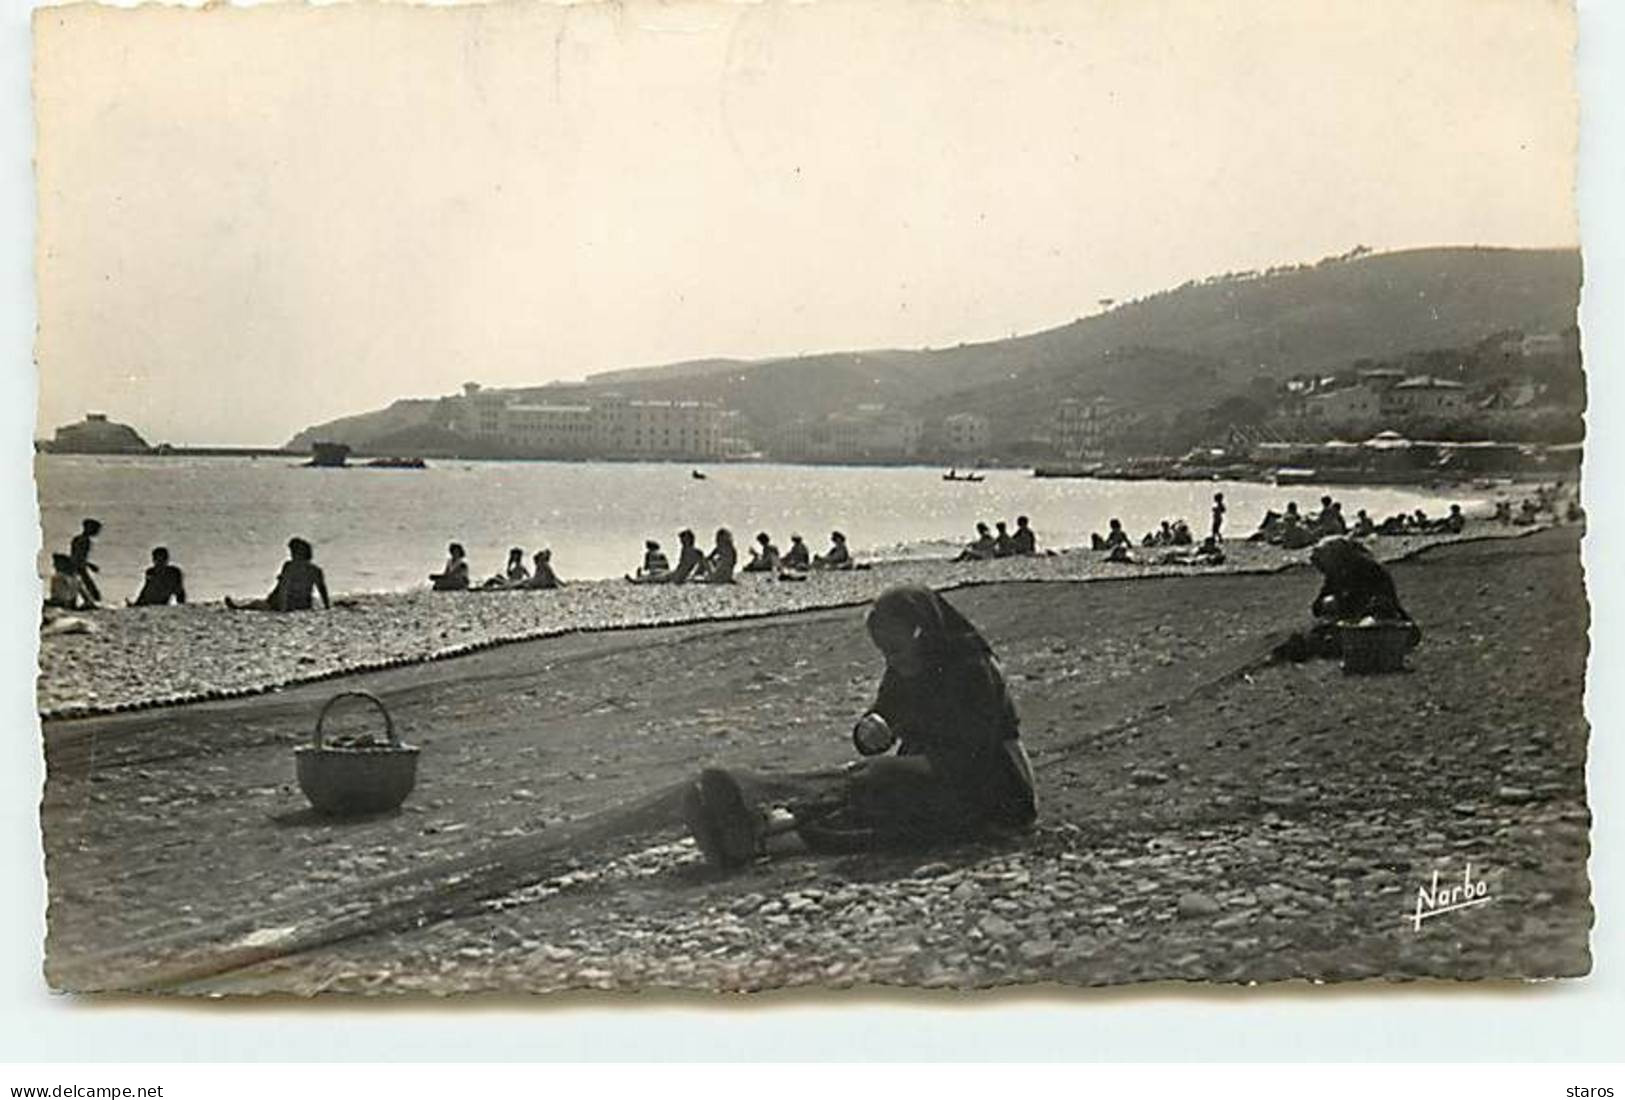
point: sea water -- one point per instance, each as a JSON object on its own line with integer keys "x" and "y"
{"x": 226, "y": 521}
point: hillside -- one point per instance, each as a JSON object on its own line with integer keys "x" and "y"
{"x": 1181, "y": 347}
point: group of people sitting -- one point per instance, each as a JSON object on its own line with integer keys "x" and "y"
{"x": 455, "y": 577}
{"x": 1548, "y": 500}
{"x": 1118, "y": 545}
{"x": 717, "y": 567}
{"x": 1292, "y": 530}
{"x": 1003, "y": 543}
{"x": 72, "y": 584}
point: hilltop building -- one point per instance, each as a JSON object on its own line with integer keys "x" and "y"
{"x": 97, "y": 435}
{"x": 611, "y": 426}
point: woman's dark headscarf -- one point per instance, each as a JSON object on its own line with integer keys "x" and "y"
{"x": 941, "y": 630}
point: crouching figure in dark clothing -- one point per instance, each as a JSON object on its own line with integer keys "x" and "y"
{"x": 959, "y": 770}
{"x": 1357, "y": 588}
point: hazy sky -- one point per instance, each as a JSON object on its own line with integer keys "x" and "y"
{"x": 253, "y": 220}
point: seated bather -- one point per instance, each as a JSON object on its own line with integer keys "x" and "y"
{"x": 1268, "y": 528}
{"x": 797, "y": 557}
{"x": 66, "y": 588}
{"x": 1208, "y": 553}
{"x": 1363, "y": 527}
{"x": 656, "y": 569}
{"x": 959, "y": 771}
{"x": 513, "y": 575}
{"x": 837, "y": 557}
{"x": 1003, "y": 545}
{"x": 721, "y": 562}
{"x": 1295, "y": 534}
{"x": 763, "y": 560}
{"x": 1023, "y": 542}
{"x": 979, "y": 550}
{"x": 1455, "y": 523}
{"x": 163, "y": 582}
{"x": 1356, "y": 588}
{"x": 454, "y": 577}
{"x": 543, "y": 575}
{"x": 1115, "y": 538}
{"x": 299, "y": 581}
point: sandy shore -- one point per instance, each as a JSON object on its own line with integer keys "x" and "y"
{"x": 146, "y": 657}
{"x": 1196, "y": 823}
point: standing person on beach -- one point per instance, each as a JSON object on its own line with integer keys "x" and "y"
{"x": 163, "y": 583}
{"x": 1218, "y": 517}
{"x": 299, "y": 579}
{"x": 79, "y": 557}
{"x": 959, "y": 771}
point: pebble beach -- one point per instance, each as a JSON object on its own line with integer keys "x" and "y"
{"x": 135, "y": 658}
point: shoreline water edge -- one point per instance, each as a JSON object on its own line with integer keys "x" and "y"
{"x": 139, "y": 658}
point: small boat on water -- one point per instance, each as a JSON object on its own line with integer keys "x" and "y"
{"x": 398, "y": 464}
{"x": 697, "y": 475}
{"x": 955, "y": 475}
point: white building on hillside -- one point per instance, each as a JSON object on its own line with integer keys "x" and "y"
{"x": 967, "y": 433}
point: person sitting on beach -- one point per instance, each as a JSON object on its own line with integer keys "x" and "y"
{"x": 765, "y": 560}
{"x": 1573, "y": 512}
{"x": 1295, "y": 534}
{"x": 543, "y": 576}
{"x": 66, "y": 587}
{"x": 1115, "y": 537}
{"x": 656, "y": 569}
{"x": 1208, "y": 553}
{"x": 1455, "y": 523}
{"x": 690, "y": 559}
{"x": 1363, "y": 527}
{"x": 797, "y": 557}
{"x": 163, "y": 583}
{"x": 1121, "y": 555}
{"x": 1180, "y": 534}
{"x": 299, "y": 579}
{"x": 454, "y": 577}
{"x": 981, "y": 549}
{"x": 513, "y": 575}
{"x": 959, "y": 771}
{"x": 1162, "y": 536}
{"x": 720, "y": 563}
{"x": 1356, "y": 588}
{"x": 1528, "y": 513}
{"x": 79, "y": 557}
{"x": 1023, "y": 541}
{"x": 1268, "y": 528}
{"x": 1503, "y": 512}
{"x": 1002, "y": 546}
{"x": 837, "y": 557}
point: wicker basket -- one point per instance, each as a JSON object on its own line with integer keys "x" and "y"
{"x": 1375, "y": 647}
{"x": 352, "y": 781}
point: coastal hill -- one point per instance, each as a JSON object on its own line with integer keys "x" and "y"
{"x": 1181, "y": 348}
